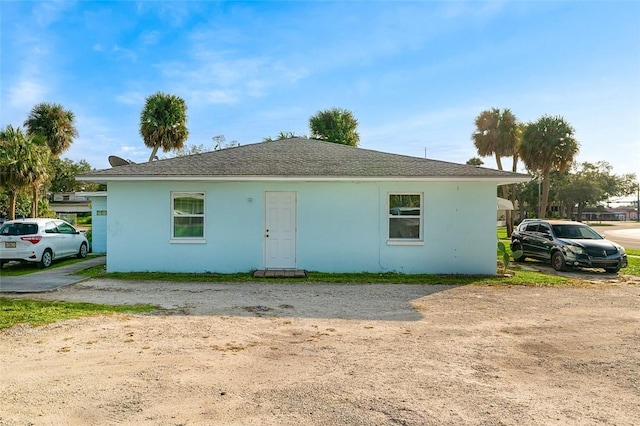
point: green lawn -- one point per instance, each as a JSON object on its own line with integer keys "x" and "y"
{"x": 521, "y": 278}
{"x": 35, "y": 312}
{"x": 502, "y": 233}
{"x": 632, "y": 252}
{"x": 634, "y": 263}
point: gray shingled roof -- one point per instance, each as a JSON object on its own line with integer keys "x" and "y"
{"x": 300, "y": 158}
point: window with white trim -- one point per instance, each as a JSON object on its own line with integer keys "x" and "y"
{"x": 405, "y": 217}
{"x": 187, "y": 215}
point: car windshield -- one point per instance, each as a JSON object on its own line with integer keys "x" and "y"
{"x": 19, "y": 229}
{"x": 576, "y": 232}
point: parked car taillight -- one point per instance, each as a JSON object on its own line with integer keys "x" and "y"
{"x": 34, "y": 239}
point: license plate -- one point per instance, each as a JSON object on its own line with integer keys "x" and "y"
{"x": 10, "y": 245}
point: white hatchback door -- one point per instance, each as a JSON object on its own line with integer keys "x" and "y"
{"x": 52, "y": 238}
{"x": 69, "y": 242}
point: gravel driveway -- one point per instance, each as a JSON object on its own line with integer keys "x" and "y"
{"x": 327, "y": 354}
{"x": 304, "y": 300}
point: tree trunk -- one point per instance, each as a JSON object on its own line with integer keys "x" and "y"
{"x": 514, "y": 196}
{"x": 580, "y": 210}
{"x": 505, "y": 194}
{"x": 34, "y": 201}
{"x": 508, "y": 217}
{"x": 12, "y": 204}
{"x": 153, "y": 153}
{"x": 513, "y": 188}
{"x": 546, "y": 183}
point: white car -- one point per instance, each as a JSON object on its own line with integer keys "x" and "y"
{"x": 40, "y": 241}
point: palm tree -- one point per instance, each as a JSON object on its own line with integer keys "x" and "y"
{"x": 39, "y": 173}
{"x": 335, "y": 125}
{"x": 56, "y": 126}
{"x": 547, "y": 145}
{"x": 53, "y": 123}
{"x": 497, "y": 133}
{"x": 23, "y": 162}
{"x": 284, "y": 135}
{"x": 163, "y": 123}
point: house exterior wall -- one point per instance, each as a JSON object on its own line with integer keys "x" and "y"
{"x": 341, "y": 227}
{"x": 98, "y": 224}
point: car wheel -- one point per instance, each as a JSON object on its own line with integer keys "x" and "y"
{"x": 2, "y": 262}
{"x": 613, "y": 270}
{"x": 47, "y": 259}
{"x": 557, "y": 261}
{"x": 82, "y": 253}
{"x": 515, "y": 248}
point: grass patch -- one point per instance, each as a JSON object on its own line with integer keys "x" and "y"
{"x": 502, "y": 233}
{"x": 36, "y": 312}
{"x": 99, "y": 271}
{"x": 84, "y": 220}
{"x": 634, "y": 265}
{"x": 632, "y": 252}
{"x": 633, "y": 255}
{"x": 521, "y": 278}
{"x": 14, "y": 269}
{"x": 529, "y": 278}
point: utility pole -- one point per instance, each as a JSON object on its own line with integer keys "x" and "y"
{"x": 638, "y": 203}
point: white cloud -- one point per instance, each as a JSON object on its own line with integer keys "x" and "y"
{"x": 209, "y": 74}
{"x": 476, "y": 10}
{"x": 26, "y": 92}
{"x": 444, "y": 133}
{"x": 422, "y": 123}
{"x": 150, "y": 38}
{"x": 137, "y": 154}
{"x": 99, "y": 138}
{"x": 46, "y": 13}
{"x": 205, "y": 97}
{"x": 124, "y": 53}
{"x": 131, "y": 98}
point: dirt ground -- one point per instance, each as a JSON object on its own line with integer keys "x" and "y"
{"x": 331, "y": 354}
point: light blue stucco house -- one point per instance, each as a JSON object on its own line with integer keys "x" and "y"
{"x": 301, "y": 204}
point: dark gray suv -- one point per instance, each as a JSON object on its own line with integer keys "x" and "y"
{"x": 567, "y": 244}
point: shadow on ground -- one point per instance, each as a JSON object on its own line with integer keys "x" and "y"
{"x": 390, "y": 302}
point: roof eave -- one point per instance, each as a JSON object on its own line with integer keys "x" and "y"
{"x": 500, "y": 180}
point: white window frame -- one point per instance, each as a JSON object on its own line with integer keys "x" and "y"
{"x": 405, "y": 241}
{"x": 182, "y": 194}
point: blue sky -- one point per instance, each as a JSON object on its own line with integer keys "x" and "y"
{"x": 415, "y": 74}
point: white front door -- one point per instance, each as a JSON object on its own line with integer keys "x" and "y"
{"x": 280, "y": 230}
